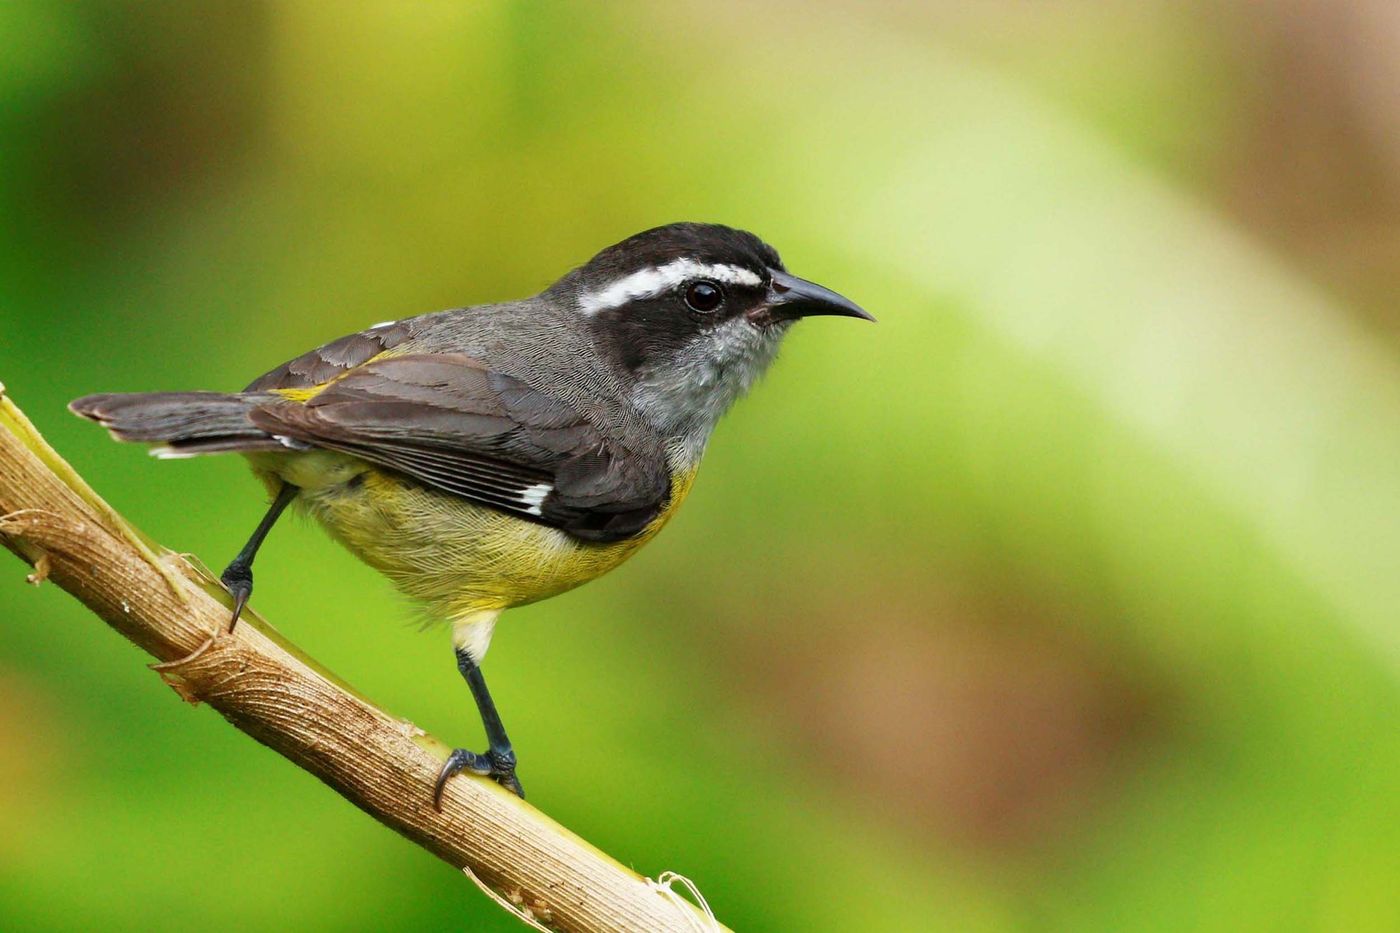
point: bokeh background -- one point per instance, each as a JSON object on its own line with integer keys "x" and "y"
{"x": 1066, "y": 598}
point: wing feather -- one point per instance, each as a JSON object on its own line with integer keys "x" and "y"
{"x": 455, "y": 425}
{"x": 336, "y": 358}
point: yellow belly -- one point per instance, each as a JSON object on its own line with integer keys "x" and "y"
{"x": 457, "y": 559}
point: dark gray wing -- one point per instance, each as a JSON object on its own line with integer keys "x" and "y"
{"x": 336, "y": 358}
{"x": 455, "y": 425}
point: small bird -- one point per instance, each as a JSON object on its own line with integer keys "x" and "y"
{"x": 492, "y": 456}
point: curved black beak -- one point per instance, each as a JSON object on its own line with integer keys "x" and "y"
{"x": 790, "y": 298}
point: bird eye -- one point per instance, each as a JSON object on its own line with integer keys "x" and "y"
{"x": 703, "y": 295}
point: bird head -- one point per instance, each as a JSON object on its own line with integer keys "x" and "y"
{"x": 692, "y": 314}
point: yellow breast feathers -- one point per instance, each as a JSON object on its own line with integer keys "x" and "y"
{"x": 453, "y": 556}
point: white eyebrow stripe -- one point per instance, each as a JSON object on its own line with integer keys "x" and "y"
{"x": 650, "y": 282}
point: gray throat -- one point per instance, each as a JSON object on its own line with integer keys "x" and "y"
{"x": 685, "y": 397}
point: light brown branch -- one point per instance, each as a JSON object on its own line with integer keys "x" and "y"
{"x": 270, "y": 690}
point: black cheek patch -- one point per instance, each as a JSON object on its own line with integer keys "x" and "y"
{"x": 644, "y": 331}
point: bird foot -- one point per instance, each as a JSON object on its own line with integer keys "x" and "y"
{"x": 238, "y": 580}
{"x": 499, "y": 766}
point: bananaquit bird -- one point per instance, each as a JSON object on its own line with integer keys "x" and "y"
{"x": 489, "y": 457}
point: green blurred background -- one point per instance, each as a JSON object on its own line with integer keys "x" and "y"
{"x": 1063, "y": 599}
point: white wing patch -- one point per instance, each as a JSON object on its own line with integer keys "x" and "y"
{"x": 649, "y": 283}
{"x": 534, "y": 496}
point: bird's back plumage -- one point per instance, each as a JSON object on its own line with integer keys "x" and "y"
{"x": 514, "y": 428}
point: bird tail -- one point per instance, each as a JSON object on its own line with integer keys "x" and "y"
{"x": 183, "y": 423}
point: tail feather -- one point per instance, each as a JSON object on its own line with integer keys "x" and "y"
{"x": 186, "y": 422}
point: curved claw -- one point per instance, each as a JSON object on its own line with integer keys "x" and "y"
{"x": 500, "y": 768}
{"x": 510, "y": 782}
{"x": 239, "y": 582}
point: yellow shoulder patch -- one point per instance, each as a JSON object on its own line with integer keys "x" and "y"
{"x": 301, "y": 394}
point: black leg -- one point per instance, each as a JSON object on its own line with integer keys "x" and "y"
{"x": 499, "y": 760}
{"x": 238, "y": 576}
